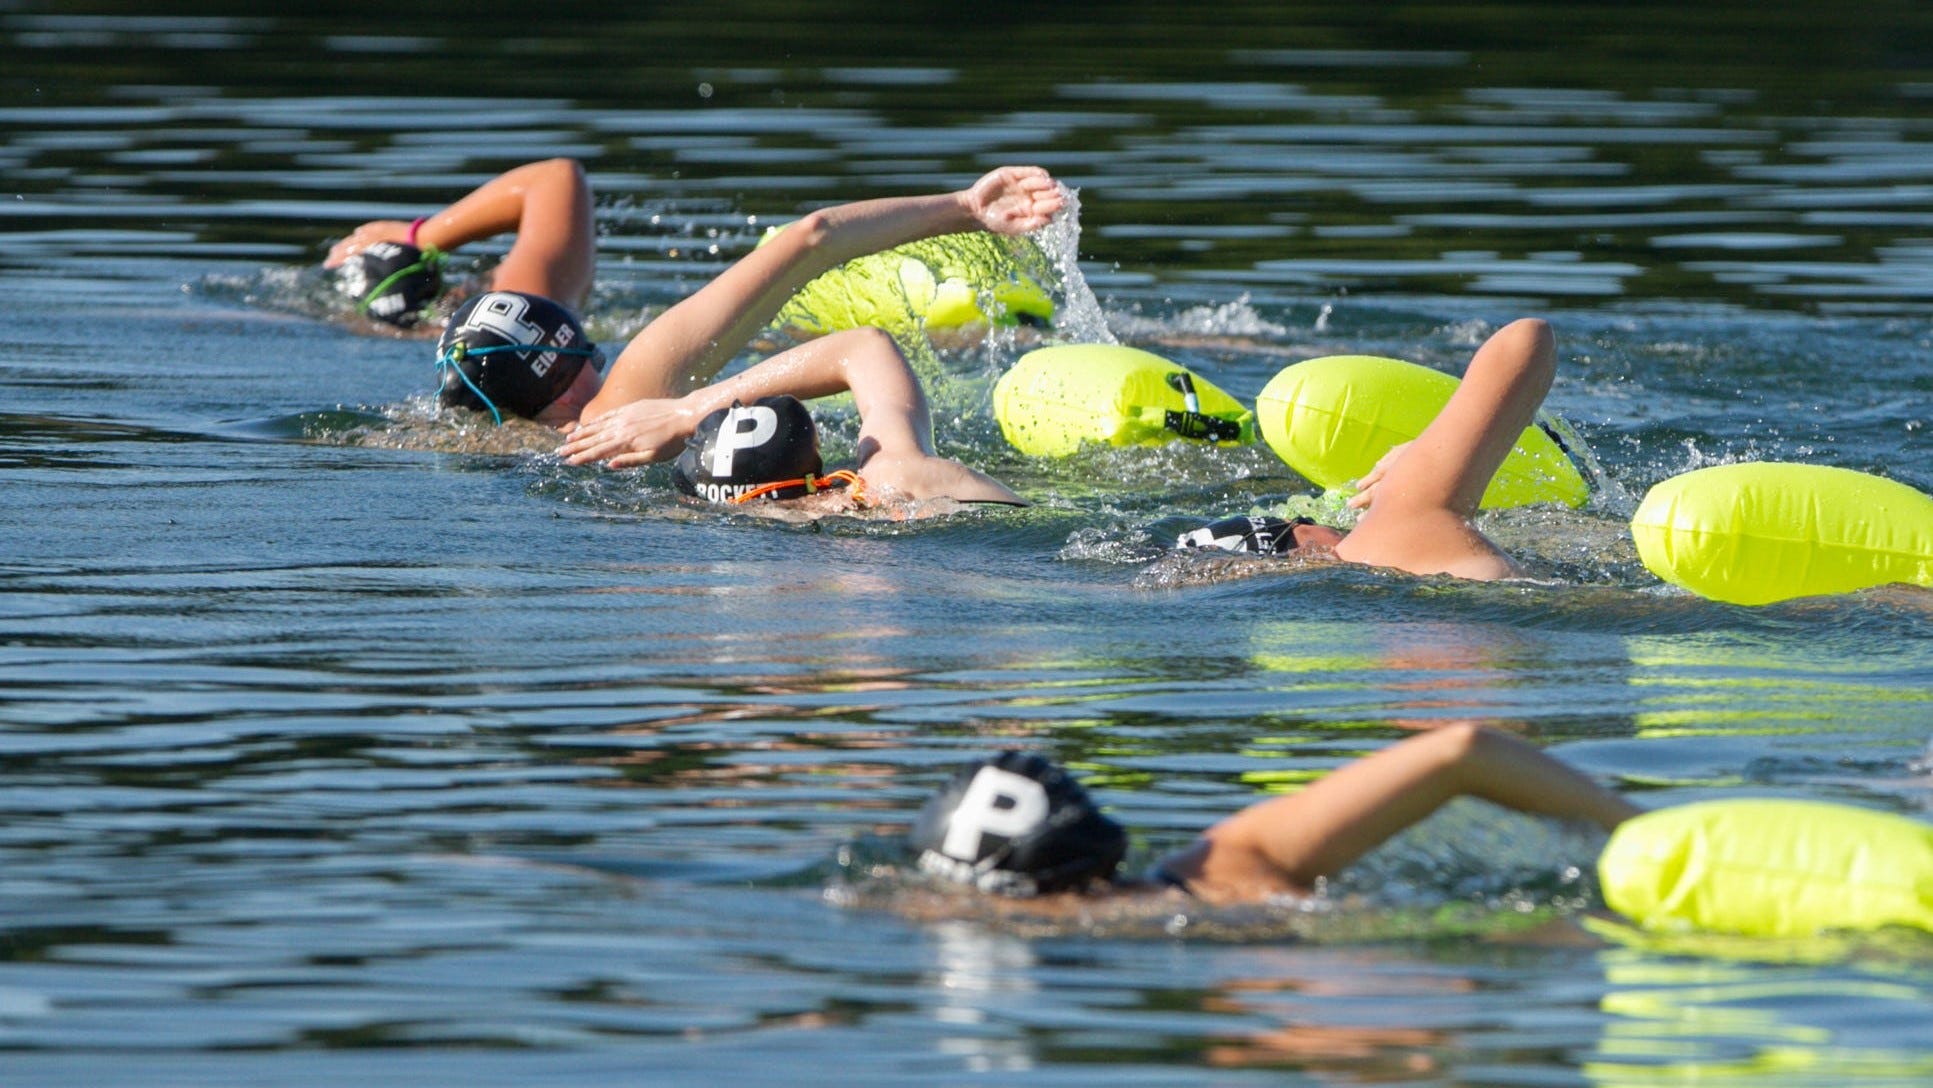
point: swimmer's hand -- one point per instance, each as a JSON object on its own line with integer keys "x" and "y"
{"x": 380, "y": 230}
{"x": 1013, "y": 199}
{"x": 1366, "y": 487}
{"x": 638, "y": 433}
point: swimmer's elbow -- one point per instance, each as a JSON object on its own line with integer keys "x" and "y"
{"x": 1459, "y": 742}
{"x": 809, "y": 232}
{"x": 1536, "y": 341}
{"x": 555, "y": 176}
{"x": 1535, "y": 327}
{"x": 1476, "y": 757}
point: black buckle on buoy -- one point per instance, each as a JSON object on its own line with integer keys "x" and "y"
{"x": 1196, "y": 425}
{"x": 1190, "y": 422}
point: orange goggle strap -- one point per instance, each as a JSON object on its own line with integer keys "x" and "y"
{"x": 845, "y": 478}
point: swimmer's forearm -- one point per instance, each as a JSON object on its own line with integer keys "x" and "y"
{"x": 1498, "y": 397}
{"x": 839, "y": 234}
{"x": 861, "y": 361}
{"x": 1006, "y": 200}
{"x": 498, "y": 205}
{"x": 1506, "y": 771}
{"x": 764, "y": 380}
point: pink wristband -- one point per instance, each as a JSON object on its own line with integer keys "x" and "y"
{"x": 413, "y": 228}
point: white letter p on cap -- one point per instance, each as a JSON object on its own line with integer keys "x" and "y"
{"x": 996, "y": 802}
{"x": 733, "y": 437}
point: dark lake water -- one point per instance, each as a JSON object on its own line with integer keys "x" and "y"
{"x": 333, "y": 750}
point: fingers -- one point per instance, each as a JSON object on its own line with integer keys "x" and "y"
{"x": 1017, "y": 176}
{"x": 1047, "y": 198}
{"x": 1366, "y": 487}
{"x": 342, "y": 251}
{"x": 378, "y": 230}
{"x": 587, "y": 443}
{"x": 609, "y": 440}
{"x": 611, "y": 454}
{"x": 601, "y": 454}
{"x": 585, "y": 454}
{"x": 1016, "y": 199}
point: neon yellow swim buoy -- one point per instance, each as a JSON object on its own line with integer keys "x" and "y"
{"x": 1331, "y": 419}
{"x": 933, "y": 285}
{"x": 1055, "y": 399}
{"x": 1769, "y": 868}
{"x": 1767, "y": 531}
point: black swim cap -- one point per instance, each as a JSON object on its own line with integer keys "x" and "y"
{"x": 392, "y": 281}
{"x": 1017, "y": 824}
{"x": 508, "y": 351}
{"x": 736, "y": 449}
{"x": 1244, "y": 533}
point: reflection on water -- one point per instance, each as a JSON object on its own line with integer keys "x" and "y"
{"x": 342, "y": 741}
{"x": 1723, "y": 687}
{"x": 1702, "y": 1020}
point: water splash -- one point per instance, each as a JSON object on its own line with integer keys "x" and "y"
{"x": 419, "y": 423}
{"x": 1236, "y": 321}
{"x": 1078, "y": 318}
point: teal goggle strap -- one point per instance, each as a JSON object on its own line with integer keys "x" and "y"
{"x": 460, "y": 352}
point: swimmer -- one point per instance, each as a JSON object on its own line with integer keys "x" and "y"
{"x": 1019, "y": 826}
{"x": 747, "y": 438}
{"x": 1419, "y": 499}
{"x": 393, "y": 268}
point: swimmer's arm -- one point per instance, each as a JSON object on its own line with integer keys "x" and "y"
{"x": 548, "y": 204}
{"x": 895, "y": 447}
{"x": 694, "y": 339}
{"x": 864, "y": 361}
{"x": 1450, "y": 464}
{"x": 1287, "y": 843}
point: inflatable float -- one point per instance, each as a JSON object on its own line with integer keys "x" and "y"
{"x": 1331, "y": 419}
{"x": 1055, "y": 399}
{"x": 1769, "y": 868}
{"x": 1765, "y": 532}
{"x": 932, "y": 285}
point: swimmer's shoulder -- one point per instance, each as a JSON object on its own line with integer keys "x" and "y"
{"x": 1425, "y": 541}
{"x": 924, "y": 477}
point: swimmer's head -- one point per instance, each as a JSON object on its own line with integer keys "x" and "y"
{"x": 510, "y": 352}
{"x": 743, "y": 449}
{"x": 1017, "y": 824}
{"x": 1243, "y": 533}
{"x": 393, "y": 282}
